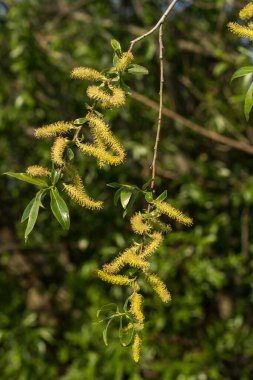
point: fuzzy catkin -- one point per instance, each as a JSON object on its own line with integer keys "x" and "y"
{"x": 79, "y": 196}
{"x": 38, "y": 171}
{"x": 136, "y": 307}
{"x": 124, "y": 61}
{"x": 136, "y": 348}
{"x": 103, "y": 138}
{"x": 114, "y": 100}
{"x": 114, "y": 279}
{"x": 241, "y": 31}
{"x": 173, "y": 213}
{"x": 57, "y": 151}
{"x": 247, "y": 12}
{"x": 159, "y": 287}
{"x": 86, "y": 73}
{"x": 156, "y": 241}
{"x": 138, "y": 224}
{"x": 127, "y": 257}
{"x": 51, "y": 130}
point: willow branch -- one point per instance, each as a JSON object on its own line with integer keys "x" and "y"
{"x": 157, "y": 26}
{"x": 159, "y": 123}
{"x": 231, "y": 143}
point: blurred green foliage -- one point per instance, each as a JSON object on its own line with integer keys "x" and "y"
{"x": 48, "y": 292}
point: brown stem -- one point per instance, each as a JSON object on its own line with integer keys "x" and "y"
{"x": 159, "y": 23}
{"x": 159, "y": 123}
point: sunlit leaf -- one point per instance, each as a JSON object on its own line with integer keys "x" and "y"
{"x": 27, "y": 178}
{"x": 59, "y": 209}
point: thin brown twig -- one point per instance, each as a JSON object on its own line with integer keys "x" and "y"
{"x": 239, "y": 145}
{"x": 159, "y": 123}
{"x": 157, "y": 26}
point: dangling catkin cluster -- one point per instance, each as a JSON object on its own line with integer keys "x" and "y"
{"x": 99, "y": 141}
{"x": 151, "y": 229}
{"x": 241, "y": 30}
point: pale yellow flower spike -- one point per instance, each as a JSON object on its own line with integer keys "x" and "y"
{"x": 124, "y": 61}
{"x": 156, "y": 241}
{"x": 247, "y": 12}
{"x": 87, "y": 74}
{"x": 138, "y": 224}
{"x": 127, "y": 257}
{"x": 79, "y": 196}
{"x": 159, "y": 287}
{"x": 250, "y": 25}
{"x": 136, "y": 348}
{"x": 116, "y": 99}
{"x": 54, "y": 129}
{"x": 57, "y": 151}
{"x": 136, "y": 307}
{"x": 77, "y": 180}
{"x": 241, "y": 31}
{"x": 102, "y": 137}
{"x": 114, "y": 279}
{"x": 173, "y": 213}
{"x": 38, "y": 171}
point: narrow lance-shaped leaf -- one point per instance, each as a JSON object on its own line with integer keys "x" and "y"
{"x": 33, "y": 214}
{"x": 242, "y": 72}
{"x": 248, "y": 102}
{"x": 27, "y": 211}
{"x": 26, "y": 178}
{"x": 59, "y": 209}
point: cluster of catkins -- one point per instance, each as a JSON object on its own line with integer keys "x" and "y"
{"x": 152, "y": 232}
{"x": 105, "y": 147}
{"x": 241, "y": 30}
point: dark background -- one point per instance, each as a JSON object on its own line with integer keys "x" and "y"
{"x": 48, "y": 292}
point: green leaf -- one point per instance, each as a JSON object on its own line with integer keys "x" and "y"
{"x": 27, "y": 210}
{"x": 107, "y": 306}
{"x": 33, "y": 214}
{"x": 27, "y": 178}
{"x": 248, "y": 102}
{"x": 162, "y": 196}
{"x": 59, "y": 209}
{"x": 242, "y": 72}
{"x": 55, "y": 176}
{"x": 131, "y": 203}
{"x": 114, "y": 184}
{"x": 80, "y": 121}
{"x": 70, "y": 154}
{"x": 116, "y": 46}
{"x": 149, "y": 197}
{"x": 116, "y": 196}
{"x": 137, "y": 69}
{"x": 125, "y": 197}
{"x": 106, "y": 330}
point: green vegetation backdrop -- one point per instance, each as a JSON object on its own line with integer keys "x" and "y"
{"x": 48, "y": 292}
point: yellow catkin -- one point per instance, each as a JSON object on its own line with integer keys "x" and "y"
{"x": 250, "y": 25}
{"x": 79, "y": 196}
{"x": 136, "y": 348}
{"x": 138, "y": 224}
{"x": 136, "y": 307}
{"x": 241, "y": 31}
{"x": 54, "y": 129}
{"x": 158, "y": 225}
{"x": 103, "y": 138}
{"x": 115, "y": 99}
{"x": 159, "y": 287}
{"x": 173, "y": 213}
{"x": 114, "y": 279}
{"x": 87, "y": 74}
{"x": 156, "y": 241}
{"x": 57, "y": 151}
{"x": 38, "y": 171}
{"x": 127, "y": 257}
{"x": 124, "y": 61}
{"x": 73, "y": 173}
{"x": 247, "y": 12}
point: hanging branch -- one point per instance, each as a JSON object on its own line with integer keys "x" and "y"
{"x": 159, "y": 23}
